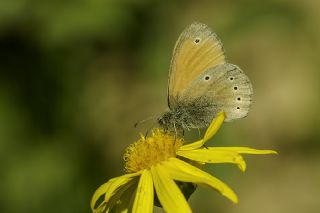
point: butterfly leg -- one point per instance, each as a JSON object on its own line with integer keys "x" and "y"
{"x": 176, "y": 133}
{"x": 199, "y": 134}
{"x": 147, "y": 133}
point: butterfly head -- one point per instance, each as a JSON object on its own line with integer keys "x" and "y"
{"x": 168, "y": 120}
{"x": 176, "y": 120}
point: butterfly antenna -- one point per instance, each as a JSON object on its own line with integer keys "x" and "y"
{"x": 143, "y": 121}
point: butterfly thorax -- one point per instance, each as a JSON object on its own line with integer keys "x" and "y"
{"x": 186, "y": 115}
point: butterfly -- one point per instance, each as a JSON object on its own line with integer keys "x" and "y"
{"x": 201, "y": 83}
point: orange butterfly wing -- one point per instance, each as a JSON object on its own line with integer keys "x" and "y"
{"x": 197, "y": 49}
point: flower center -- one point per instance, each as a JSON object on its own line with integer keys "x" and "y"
{"x": 151, "y": 150}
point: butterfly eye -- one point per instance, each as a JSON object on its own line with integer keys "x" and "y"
{"x": 207, "y": 78}
{"x": 197, "y": 40}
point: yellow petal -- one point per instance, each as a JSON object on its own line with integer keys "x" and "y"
{"x": 191, "y": 146}
{"x": 101, "y": 208}
{"x": 111, "y": 188}
{"x": 214, "y": 156}
{"x": 121, "y": 200}
{"x": 144, "y": 197}
{"x": 245, "y": 150}
{"x": 214, "y": 126}
{"x": 99, "y": 192}
{"x": 120, "y": 181}
{"x": 182, "y": 171}
{"x": 211, "y": 131}
{"x": 170, "y": 196}
{"x": 122, "y": 206}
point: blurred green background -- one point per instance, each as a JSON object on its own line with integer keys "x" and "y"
{"x": 76, "y": 75}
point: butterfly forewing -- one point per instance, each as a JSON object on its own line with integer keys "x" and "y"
{"x": 197, "y": 49}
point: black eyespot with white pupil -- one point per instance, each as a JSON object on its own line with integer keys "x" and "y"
{"x": 207, "y": 78}
{"x": 231, "y": 78}
{"x": 197, "y": 40}
{"x": 235, "y": 88}
{"x": 238, "y": 107}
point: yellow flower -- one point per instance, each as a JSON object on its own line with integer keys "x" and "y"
{"x": 153, "y": 164}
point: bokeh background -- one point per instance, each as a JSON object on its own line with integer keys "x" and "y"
{"x": 76, "y": 75}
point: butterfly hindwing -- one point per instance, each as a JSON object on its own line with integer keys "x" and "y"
{"x": 224, "y": 87}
